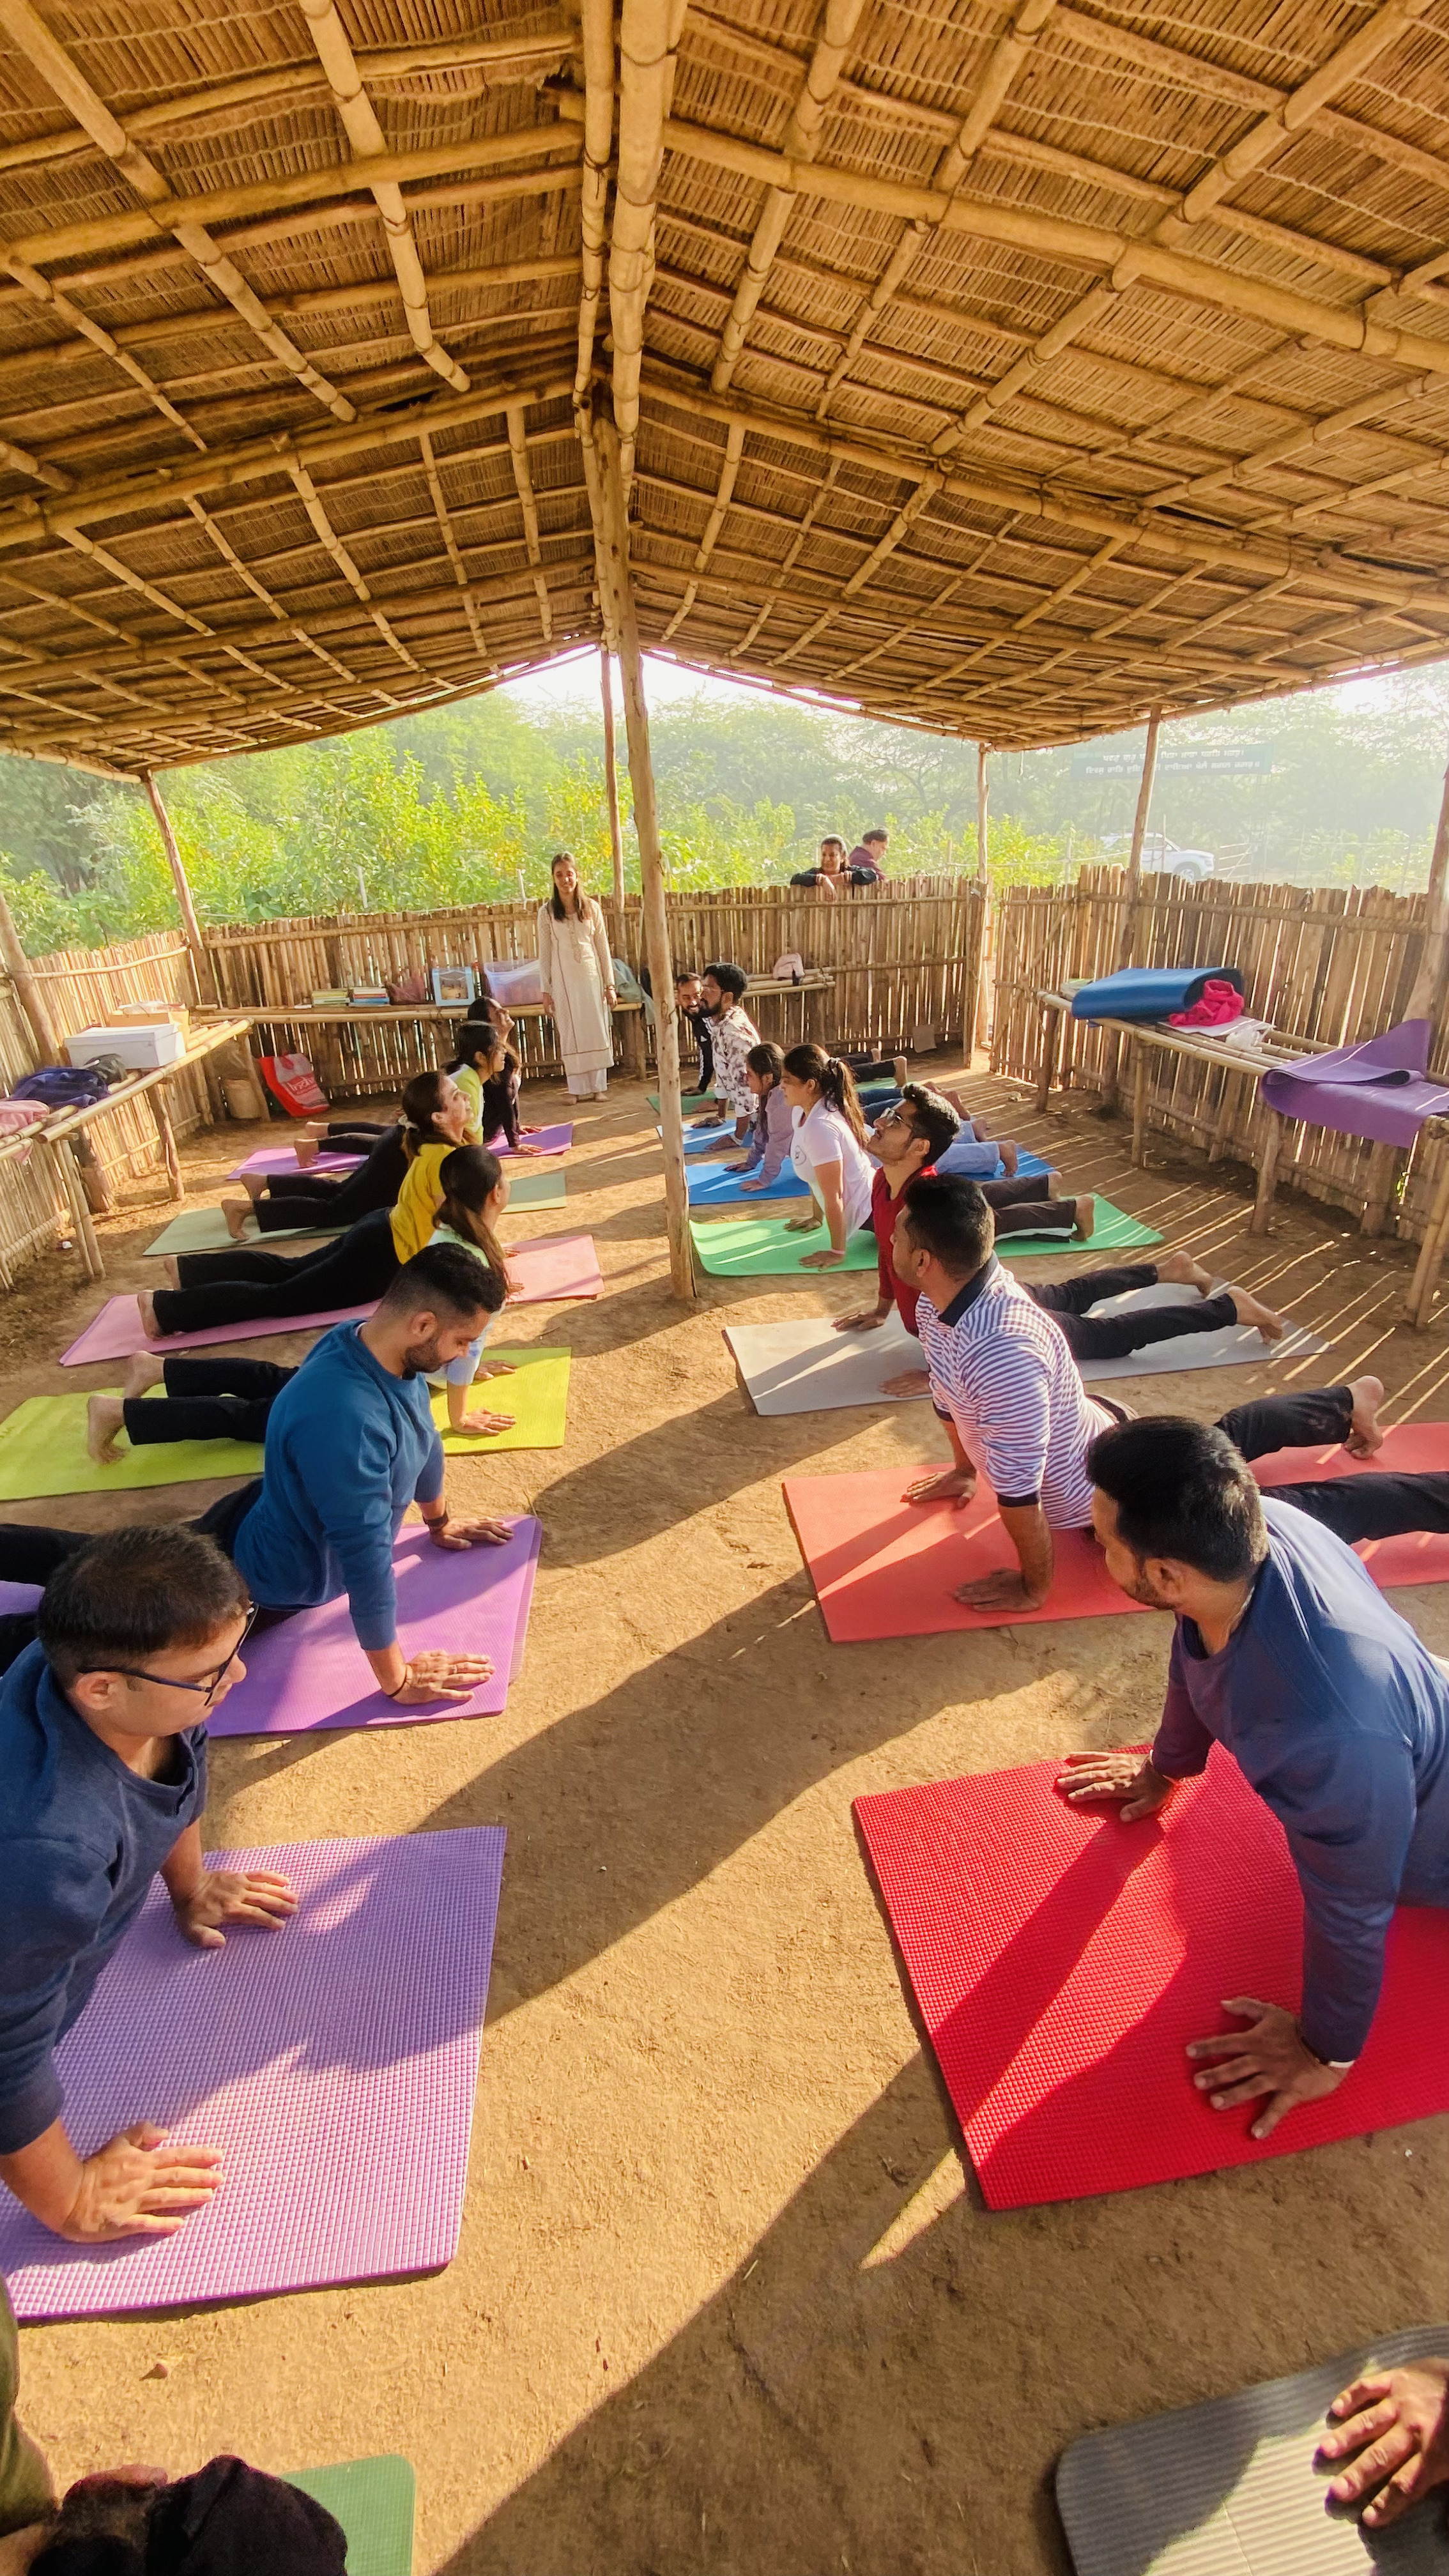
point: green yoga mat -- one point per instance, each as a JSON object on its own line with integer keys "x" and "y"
{"x": 1115, "y": 1231}
{"x": 533, "y": 1189}
{"x": 204, "y": 1229}
{"x": 537, "y": 1396}
{"x": 43, "y": 1451}
{"x": 690, "y": 1103}
{"x": 760, "y": 1246}
{"x": 373, "y": 2500}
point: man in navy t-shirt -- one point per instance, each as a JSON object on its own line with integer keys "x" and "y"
{"x": 1288, "y": 1655}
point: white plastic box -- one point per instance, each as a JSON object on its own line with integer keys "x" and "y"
{"x": 142, "y": 1049}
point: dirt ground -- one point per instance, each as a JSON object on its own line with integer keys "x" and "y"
{"x": 726, "y": 2296}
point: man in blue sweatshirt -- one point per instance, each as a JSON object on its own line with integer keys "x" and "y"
{"x": 1288, "y": 1655}
{"x": 103, "y": 1756}
{"x": 350, "y": 1443}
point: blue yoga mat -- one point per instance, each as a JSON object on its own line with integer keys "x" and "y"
{"x": 711, "y": 1187}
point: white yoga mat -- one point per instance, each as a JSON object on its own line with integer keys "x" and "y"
{"x": 806, "y": 1367}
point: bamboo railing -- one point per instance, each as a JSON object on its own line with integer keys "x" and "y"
{"x": 1327, "y": 964}
{"x": 905, "y": 958}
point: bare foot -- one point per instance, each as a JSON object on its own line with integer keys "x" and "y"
{"x": 254, "y": 1183}
{"x": 146, "y": 1309}
{"x": 306, "y": 1149}
{"x": 1086, "y": 1219}
{"x": 1010, "y": 1155}
{"x": 172, "y": 1270}
{"x": 1179, "y": 1270}
{"x": 901, "y": 1070}
{"x": 105, "y": 1417}
{"x": 949, "y": 1485}
{"x": 236, "y": 1213}
{"x": 1364, "y": 1434}
{"x": 142, "y": 1373}
{"x": 1251, "y": 1311}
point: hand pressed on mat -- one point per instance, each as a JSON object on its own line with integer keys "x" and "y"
{"x": 233, "y": 1896}
{"x": 1398, "y": 2422}
{"x": 135, "y": 2185}
{"x": 1269, "y": 2058}
{"x": 1128, "y": 1777}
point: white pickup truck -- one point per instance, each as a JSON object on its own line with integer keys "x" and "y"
{"x": 1161, "y": 857}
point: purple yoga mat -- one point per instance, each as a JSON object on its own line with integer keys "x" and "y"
{"x": 116, "y": 1332}
{"x": 283, "y": 1158}
{"x": 1380, "y": 1090}
{"x": 309, "y": 1673}
{"x": 335, "y": 2063}
{"x": 548, "y": 1140}
{"x": 18, "y": 1596}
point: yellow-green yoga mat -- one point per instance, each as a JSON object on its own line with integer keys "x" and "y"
{"x": 536, "y": 1395}
{"x": 43, "y": 1451}
{"x": 374, "y": 2502}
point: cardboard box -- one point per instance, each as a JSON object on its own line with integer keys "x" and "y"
{"x": 149, "y": 1012}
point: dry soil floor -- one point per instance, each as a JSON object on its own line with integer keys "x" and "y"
{"x": 726, "y": 2297}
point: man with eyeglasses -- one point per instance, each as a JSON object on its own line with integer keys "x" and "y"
{"x": 103, "y": 1756}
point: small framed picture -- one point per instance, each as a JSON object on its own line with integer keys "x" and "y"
{"x": 454, "y": 984}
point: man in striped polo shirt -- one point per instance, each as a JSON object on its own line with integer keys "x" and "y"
{"x": 1007, "y": 1388}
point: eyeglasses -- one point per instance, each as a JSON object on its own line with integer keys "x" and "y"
{"x": 207, "y": 1687}
{"x": 898, "y": 1117}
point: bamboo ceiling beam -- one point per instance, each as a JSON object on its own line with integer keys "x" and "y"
{"x": 597, "y": 19}
{"x": 816, "y": 504}
{"x": 724, "y": 492}
{"x": 29, "y": 34}
{"x": 497, "y": 56}
{"x": 827, "y": 61}
{"x": 1007, "y": 55}
{"x": 92, "y": 335}
{"x": 523, "y": 485}
{"x": 294, "y": 195}
{"x": 1080, "y": 245}
{"x": 368, "y": 142}
{"x": 648, "y": 47}
{"x": 450, "y": 543}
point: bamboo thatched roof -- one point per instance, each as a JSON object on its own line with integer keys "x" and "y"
{"x": 1007, "y": 371}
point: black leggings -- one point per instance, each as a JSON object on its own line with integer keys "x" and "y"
{"x": 1026, "y": 1206}
{"x": 30, "y": 1555}
{"x": 1353, "y": 1507}
{"x": 1114, "y": 1337}
{"x": 207, "y": 1399}
{"x": 335, "y": 1198}
{"x": 242, "y": 1286}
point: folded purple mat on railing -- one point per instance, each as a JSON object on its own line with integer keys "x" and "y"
{"x": 283, "y": 1158}
{"x": 335, "y": 2063}
{"x": 116, "y": 1332}
{"x": 1380, "y": 1090}
{"x": 309, "y": 1673}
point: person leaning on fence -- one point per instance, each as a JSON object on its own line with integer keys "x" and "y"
{"x": 867, "y": 858}
{"x": 835, "y": 870}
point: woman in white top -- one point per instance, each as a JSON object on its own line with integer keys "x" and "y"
{"x": 828, "y": 1150}
{"x": 578, "y": 980}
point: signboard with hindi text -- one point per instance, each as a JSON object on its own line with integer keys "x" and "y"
{"x": 1185, "y": 760}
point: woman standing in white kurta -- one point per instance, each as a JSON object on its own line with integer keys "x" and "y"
{"x": 578, "y": 980}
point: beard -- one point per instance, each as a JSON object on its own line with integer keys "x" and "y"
{"x": 1143, "y": 1589}
{"x": 421, "y": 1358}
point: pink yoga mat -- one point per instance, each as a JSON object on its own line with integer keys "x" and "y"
{"x": 283, "y": 1158}
{"x": 551, "y": 1267}
{"x": 335, "y": 2063}
{"x": 116, "y": 1332}
{"x": 547, "y": 1140}
{"x": 309, "y": 1673}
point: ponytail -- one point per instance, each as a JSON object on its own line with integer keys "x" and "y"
{"x": 468, "y": 1178}
{"x": 474, "y": 1038}
{"x": 765, "y": 1058}
{"x": 833, "y": 1080}
{"x": 421, "y": 1101}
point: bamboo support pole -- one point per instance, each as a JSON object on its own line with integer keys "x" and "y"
{"x": 597, "y": 27}
{"x": 614, "y": 556}
{"x": 986, "y": 952}
{"x": 166, "y": 1138}
{"x": 201, "y": 963}
{"x": 611, "y": 778}
{"x": 1428, "y": 983}
{"x": 1132, "y": 893}
{"x": 649, "y": 32}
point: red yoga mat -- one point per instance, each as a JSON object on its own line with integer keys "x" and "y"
{"x": 884, "y": 1568}
{"x": 1062, "y": 1961}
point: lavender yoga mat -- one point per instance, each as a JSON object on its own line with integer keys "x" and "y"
{"x": 309, "y": 1673}
{"x": 335, "y": 2063}
{"x": 544, "y": 1140}
{"x": 283, "y": 1158}
{"x": 1381, "y": 1090}
{"x": 116, "y": 1332}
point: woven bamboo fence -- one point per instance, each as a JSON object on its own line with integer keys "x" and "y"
{"x": 1331, "y": 964}
{"x": 80, "y": 987}
{"x": 905, "y": 958}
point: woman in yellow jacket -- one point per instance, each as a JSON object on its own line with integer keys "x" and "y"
{"x": 233, "y": 1287}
